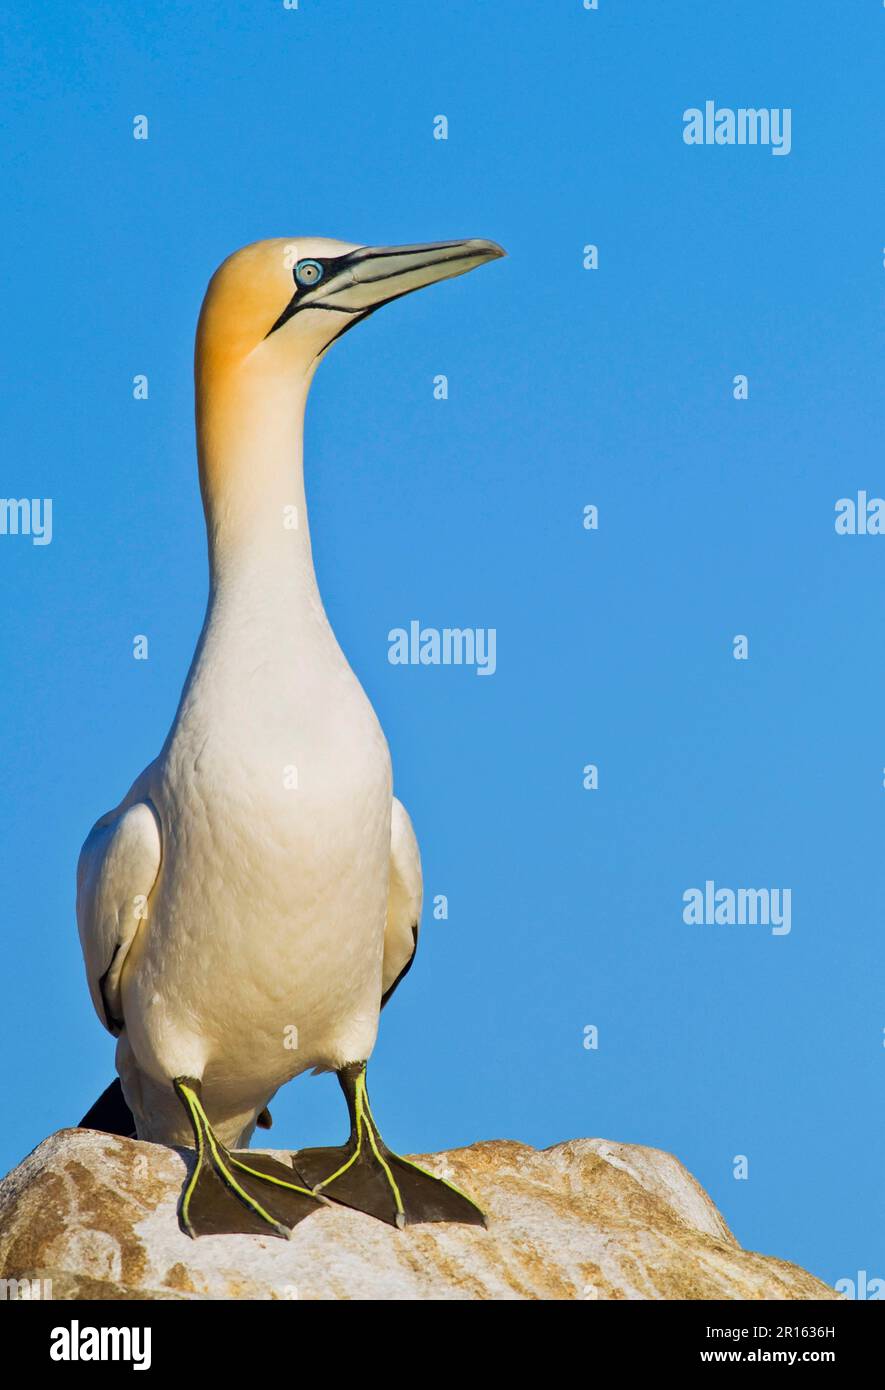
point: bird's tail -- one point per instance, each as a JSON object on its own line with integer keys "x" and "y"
{"x": 110, "y": 1113}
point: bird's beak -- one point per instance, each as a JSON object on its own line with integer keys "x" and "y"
{"x": 374, "y": 275}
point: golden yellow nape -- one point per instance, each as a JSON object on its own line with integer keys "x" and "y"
{"x": 248, "y": 293}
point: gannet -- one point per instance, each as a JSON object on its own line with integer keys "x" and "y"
{"x": 253, "y": 901}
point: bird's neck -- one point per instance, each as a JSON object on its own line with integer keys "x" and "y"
{"x": 250, "y": 429}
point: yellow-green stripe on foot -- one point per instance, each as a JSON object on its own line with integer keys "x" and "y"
{"x": 366, "y": 1175}
{"x": 229, "y": 1193}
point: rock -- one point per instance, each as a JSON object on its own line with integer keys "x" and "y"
{"x": 96, "y": 1214}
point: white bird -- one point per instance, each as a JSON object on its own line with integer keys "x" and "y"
{"x": 253, "y": 901}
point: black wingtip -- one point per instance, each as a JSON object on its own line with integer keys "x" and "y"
{"x": 110, "y": 1114}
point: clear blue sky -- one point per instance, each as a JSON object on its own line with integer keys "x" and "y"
{"x": 566, "y": 387}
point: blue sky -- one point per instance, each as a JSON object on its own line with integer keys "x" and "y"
{"x": 567, "y": 387}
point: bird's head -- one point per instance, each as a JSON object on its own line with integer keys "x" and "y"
{"x": 278, "y": 305}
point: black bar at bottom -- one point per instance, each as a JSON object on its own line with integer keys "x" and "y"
{"x": 245, "y": 1338}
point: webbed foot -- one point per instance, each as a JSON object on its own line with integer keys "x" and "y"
{"x": 230, "y": 1192}
{"x": 366, "y": 1175}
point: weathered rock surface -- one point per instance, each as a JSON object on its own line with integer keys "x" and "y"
{"x": 585, "y": 1219}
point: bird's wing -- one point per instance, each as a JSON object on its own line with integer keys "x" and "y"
{"x": 116, "y": 872}
{"x": 403, "y": 901}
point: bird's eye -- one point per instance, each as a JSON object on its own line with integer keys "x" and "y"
{"x": 308, "y": 272}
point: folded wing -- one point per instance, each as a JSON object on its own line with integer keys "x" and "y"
{"x": 116, "y": 873}
{"x": 403, "y": 902}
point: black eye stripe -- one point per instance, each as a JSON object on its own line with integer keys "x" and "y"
{"x": 328, "y": 266}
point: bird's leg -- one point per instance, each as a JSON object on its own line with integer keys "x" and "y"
{"x": 366, "y": 1175}
{"x": 235, "y": 1193}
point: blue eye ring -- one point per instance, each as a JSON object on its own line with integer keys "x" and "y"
{"x": 309, "y": 273}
